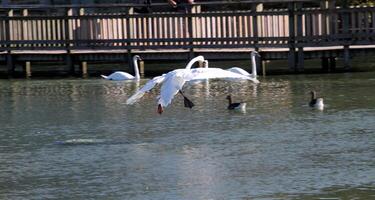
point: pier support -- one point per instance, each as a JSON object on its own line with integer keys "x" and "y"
{"x": 142, "y": 68}
{"x": 28, "y": 69}
{"x": 325, "y": 64}
{"x": 332, "y": 64}
{"x": 264, "y": 65}
{"x": 84, "y": 69}
{"x": 130, "y": 63}
{"x": 347, "y": 64}
{"x": 10, "y": 65}
{"x": 70, "y": 63}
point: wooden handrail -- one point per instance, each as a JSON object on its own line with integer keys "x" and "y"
{"x": 250, "y": 28}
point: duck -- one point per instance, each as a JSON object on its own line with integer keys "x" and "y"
{"x": 235, "y": 106}
{"x": 121, "y": 76}
{"x": 315, "y": 102}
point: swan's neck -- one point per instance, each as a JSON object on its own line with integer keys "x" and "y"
{"x": 136, "y": 69}
{"x": 253, "y": 66}
{"x": 313, "y": 95}
{"x": 190, "y": 64}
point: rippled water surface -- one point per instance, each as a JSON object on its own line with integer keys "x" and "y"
{"x": 77, "y": 139}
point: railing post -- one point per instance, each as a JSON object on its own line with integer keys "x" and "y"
{"x": 300, "y": 63}
{"x": 256, "y": 8}
{"x": 190, "y": 11}
{"x": 68, "y": 30}
{"x": 129, "y": 31}
{"x": 292, "y": 49}
{"x": 8, "y": 38}
{"x": 25, "y": 32}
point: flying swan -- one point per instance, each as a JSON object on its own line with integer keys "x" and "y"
{"x": 121, "y": 76}
{"x": 172, "y": 82}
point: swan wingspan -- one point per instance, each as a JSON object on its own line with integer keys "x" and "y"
{"x": 176, "y": 79}
{"x": 173, "y": 81}
{"x": 239, "y": 71}
{"x": 209, "y": 73}
{"x": 147, "y": 87}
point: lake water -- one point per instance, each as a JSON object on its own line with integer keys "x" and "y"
{"x": 77, "y": 139}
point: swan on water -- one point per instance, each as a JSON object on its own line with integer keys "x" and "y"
{"x": 235, "y": 106}
{"x": 172, "y": 82}
{"x": 253, "y": 67}
{"x": 120, "y": 76}
{"x": 315, "y": 102}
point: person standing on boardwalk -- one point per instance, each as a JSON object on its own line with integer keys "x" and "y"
{"x": 182, "y": 7}
{"x": 179, "y": 5}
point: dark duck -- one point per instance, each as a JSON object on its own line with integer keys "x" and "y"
{"x": 235, "y": 106}
{"x": 315, "y": 102}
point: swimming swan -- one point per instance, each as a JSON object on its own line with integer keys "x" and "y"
{"x": 315, "y": 102}
{"x": 173, "y": 81}
{"x": 253, "y": 67}
{"x": 120, "y": 76}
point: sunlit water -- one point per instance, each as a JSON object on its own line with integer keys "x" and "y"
{"x": 77, "y": 139}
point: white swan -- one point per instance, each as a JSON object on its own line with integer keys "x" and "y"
{"x": 173, "y": 81}
{"x": 120, "y": 76}
{"x": 157, "y": 80}
{"x": 253, "y": 67}
{"x": 315, "y": 102}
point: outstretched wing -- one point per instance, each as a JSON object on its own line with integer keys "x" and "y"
{"x": 239, "y": 71}
{"x": 147, "y": 87}
{"x": 209, "y": 73}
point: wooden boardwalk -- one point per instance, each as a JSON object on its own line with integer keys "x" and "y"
{"x": 296, "y": 33}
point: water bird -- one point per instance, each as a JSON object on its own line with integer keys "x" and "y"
{"x": 158, "y": 80}
{"x": 316, "y": 102}
{"x": 172, "y": 82}
{"x": 121, "y": 76}
{"x": 253, "y": 74}
{"x": 235, "y": 106}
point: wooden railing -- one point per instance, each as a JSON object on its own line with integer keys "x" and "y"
{"x": 79, "y": 27}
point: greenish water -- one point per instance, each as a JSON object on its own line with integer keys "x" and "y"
{"x": 77, "y": 139}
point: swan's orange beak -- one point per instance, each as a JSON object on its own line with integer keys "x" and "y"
{"x": 160, "y": 109}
